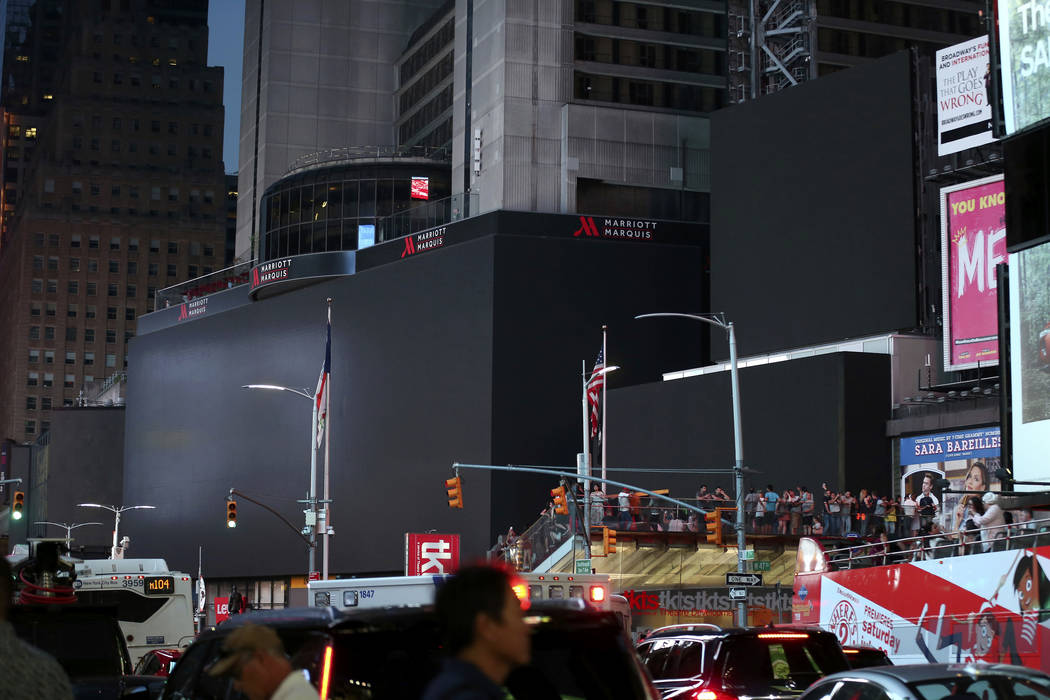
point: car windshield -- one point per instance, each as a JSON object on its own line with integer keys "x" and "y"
{"x": 779, "y": 662}
{"x": 983, "y": 687}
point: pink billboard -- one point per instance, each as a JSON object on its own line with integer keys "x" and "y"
{"x": 973, "y": 242}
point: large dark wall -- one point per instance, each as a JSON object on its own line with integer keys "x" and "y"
{"x": 813, "y": 210}
{"x": 805, "y": 422}
{"x": 467, "y": 353}
{"x": 82, "y": 462}
{"x": 551, "y": 301}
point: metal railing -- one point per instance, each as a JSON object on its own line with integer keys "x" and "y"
{"x": 227, "y": 278}
{"x": 346, "y": 153}
{"x": 940, "y": 545}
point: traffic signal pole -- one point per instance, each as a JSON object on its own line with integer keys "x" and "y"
{"x": 241, "y": 494}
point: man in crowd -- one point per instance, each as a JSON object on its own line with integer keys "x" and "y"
{"x": 483, "y": 629}
{"x": 927, "y": 503}
{"x": 254, "y": 657}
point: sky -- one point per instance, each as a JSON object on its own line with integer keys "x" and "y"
{"x": 225, "y": 46}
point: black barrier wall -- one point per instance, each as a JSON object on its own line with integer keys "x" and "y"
{"x": 468, "y": 353}
{"x": 804, "y": 422}
{"x": 813, "y": 210}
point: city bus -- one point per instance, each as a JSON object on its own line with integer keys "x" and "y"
{"x": 154, "y": 605}
{"x": 933, "y": 602}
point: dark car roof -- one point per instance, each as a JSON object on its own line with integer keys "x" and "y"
{"x": 701, "y": 631}
{"x": 917, "y": 673}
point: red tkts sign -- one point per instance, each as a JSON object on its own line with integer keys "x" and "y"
{"x": 428, "y": 554}
{"x": 420, "y": 188}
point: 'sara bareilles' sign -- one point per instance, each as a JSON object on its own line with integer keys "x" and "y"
{"x": 964, "y": 113}
{"x": 431, "y": 554}
{"x": 973, "y": 242}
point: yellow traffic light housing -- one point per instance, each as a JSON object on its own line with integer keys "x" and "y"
{"x": 608, "y": 541}
{"x": 455, "y": 492}
{"x": 713, "y": 524}
{"x": 561, "y": 506}
{"x": 18, "y": 505}
{"x": 231, "y": 513}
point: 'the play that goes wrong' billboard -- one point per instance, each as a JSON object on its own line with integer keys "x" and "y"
{"x": 973, "y": 242}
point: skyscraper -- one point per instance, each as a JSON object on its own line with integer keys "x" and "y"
{"x": 124, "y": 194}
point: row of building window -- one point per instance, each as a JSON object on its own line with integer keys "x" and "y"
{"x": 71, "y": 356}
{"x": 90, "y": 311}
{"x": 93, "y": 242}
{"x": 47, "y": 379}
{"x": 95, "y": 189}
{"x": 134, "y": 124}
{"x": 649, "y": 55}
{"x": 691, "y": 98}
{"x": 45, "y": 402}
{"x": 114, "y": 267}
{"x": 440, "y": 73}
{"x": 904, "y": 14}
{"x": 44, "y": 425}
{"x": 37, "y": 286}
{"x": 441, "y": 40}
{"x": 641, "y": 16}
{"x": 71, "y": 336}
{"x": 156, "y": 79}
{"x": 153, "y": 148}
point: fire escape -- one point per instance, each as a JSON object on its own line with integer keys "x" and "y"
{"x": 770, "y": 46}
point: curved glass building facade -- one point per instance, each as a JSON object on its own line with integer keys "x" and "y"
{"x": 349, "y": 199}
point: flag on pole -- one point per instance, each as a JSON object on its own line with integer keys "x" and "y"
{"x": 321, "y": 395}
{"x": 202, "y": 590}
{"x": 594, "y": 390}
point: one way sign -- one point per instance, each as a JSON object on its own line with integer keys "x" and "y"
{"x": 743, "y": 579}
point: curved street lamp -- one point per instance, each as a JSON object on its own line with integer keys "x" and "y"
{"x": 719, "y": 321}
{"x": 116, "y": 510}
{"x": 69, "y": 528}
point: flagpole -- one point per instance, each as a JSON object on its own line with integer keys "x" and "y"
{"x": 605, "y": 406}
{"x": 327, "y": 433}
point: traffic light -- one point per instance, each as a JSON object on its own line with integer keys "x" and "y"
{"x": 713, "y": 523}
{"x": 608, "y": 541}
{"x": 455, "y": 492}
{"x": 18, "y": 505}
{"x": 561, "y": 506}
{"x": 231, "y": 513}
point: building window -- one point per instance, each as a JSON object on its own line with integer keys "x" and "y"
{"x": 93, "y": 242}
{"x": 130, "y": 291}
{"x": 34, "y": 357}
{"x": 49, "y": 379}
{"x": 34, "y": 332}
{"x": 37, "y": 286}
{"x": 111, "y": 313}
{"x": 209, "y": 251}
{"x": 193, "y": 272}
{"x": 30, "y": 403}
{"x": 171, "y": 270}
{"x": 95, "y": 189}
{"x": 133, "y": 267}
{"x": 34, "y": 309}
{"x": 74, "y": 240}
{"x": 71, "y": 358}
{"x": 111, "y": 290}
{"x": 111, "y": 336}
{"x": 71, "y": 336}
{"x": 154, "y": 246}
{"x": 69, "y": 381}
{"x": 32, "y": 379}
{"x": 38, "y": 263}
{"x": 90, "y": 312}
{"x": 92, "y": 288}
{"x": 51, "y": 309}
{"x": 49, "y": 332}
{"x": 71, "y": 311}
{"x": 30, "y": 427}
{"x": 74, "y": 287}
{"x": 74, "y": 264}
{"x": 49, "y": 357}
{"x": 129, "y": 313}
{"x": 111, "y": 360}
{"x": 89, "y": 337}
{"x": 52, "y": 286}
{"x": 173, "y": 192}
{"x": 45, "y": 403}
{"x": 173, "y": 248}
{"x": 52, "y": 264}
{"x": 114, "y": 266}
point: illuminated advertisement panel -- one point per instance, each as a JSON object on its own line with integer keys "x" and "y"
{"x": 1030, "y": 364}
{"x": 973, "y": 242}
{"x": 1024, "y": 51}
{"x": 964, "y": 113}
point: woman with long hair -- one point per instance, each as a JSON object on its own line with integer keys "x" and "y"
{"x": 976, "y": 480}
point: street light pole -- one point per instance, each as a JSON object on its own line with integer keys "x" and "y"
{"x": 719, "y": 320}
{"x": 116, "y": 510}
{"x": 313, "y": 464}
{"x": 69, "y": 528}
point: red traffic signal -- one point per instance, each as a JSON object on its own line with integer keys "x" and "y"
{"x": 455, "y": 492}
{"x": 18, "y": 505}
{"x": 231, "y": 513}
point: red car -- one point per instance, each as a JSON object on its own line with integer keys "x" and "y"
{"x": 157, "y": 662}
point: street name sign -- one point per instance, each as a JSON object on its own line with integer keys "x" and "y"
{"x": 583, "y": 566}
{"x": 738, "y": 579}
{"x": 760, "y": 565}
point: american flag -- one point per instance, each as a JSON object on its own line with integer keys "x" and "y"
{"x": 321, "y": 395}
{"x": 594, "y": 390}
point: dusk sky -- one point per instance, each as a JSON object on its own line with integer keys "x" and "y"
{"x": 225, "y": 44}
